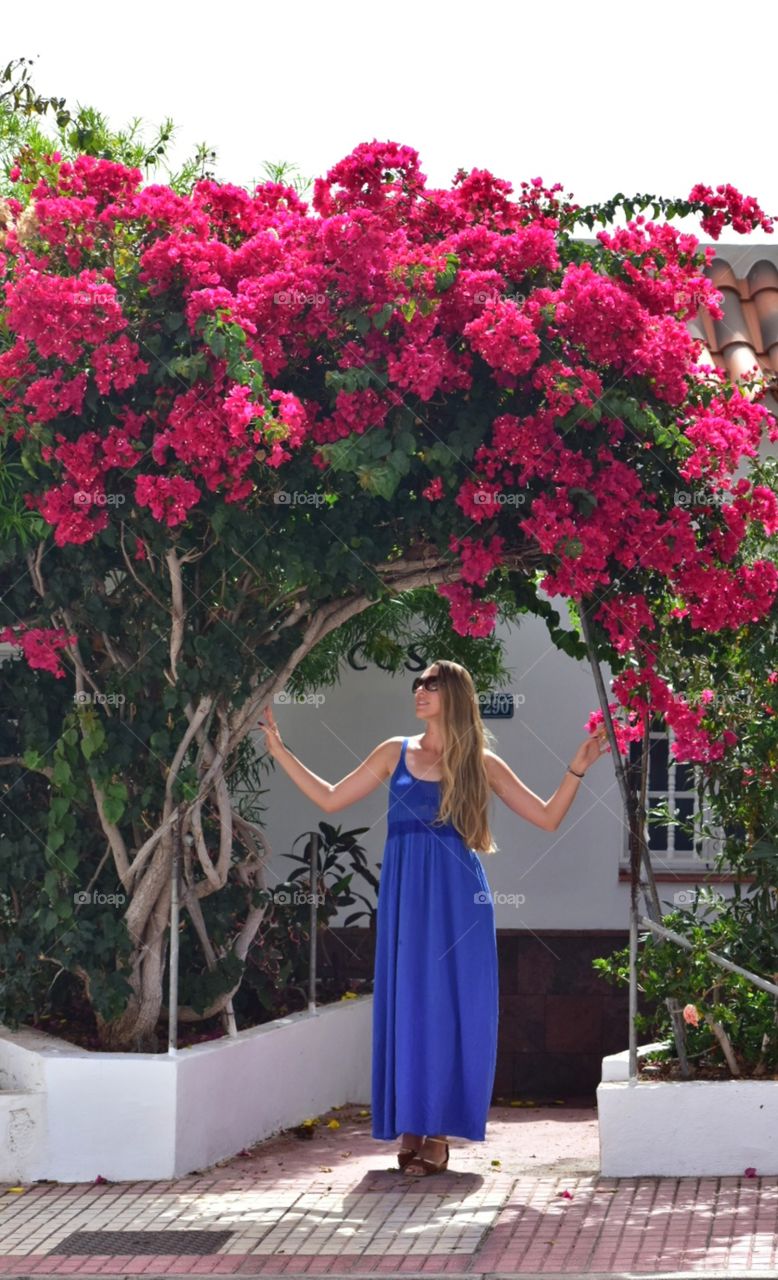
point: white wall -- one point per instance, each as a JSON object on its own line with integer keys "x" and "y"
{"x": 68, "y": 1114}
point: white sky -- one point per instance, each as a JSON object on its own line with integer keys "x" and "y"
{"x": 647, "y": 97}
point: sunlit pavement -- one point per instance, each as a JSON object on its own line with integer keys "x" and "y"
{"x": 529, "y": 1201}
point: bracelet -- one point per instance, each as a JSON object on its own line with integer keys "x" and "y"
{"x": 575, "y": 775}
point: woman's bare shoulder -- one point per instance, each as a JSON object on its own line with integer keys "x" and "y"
{"x": 493, "y": 763}
{"x": 389, "y": 752}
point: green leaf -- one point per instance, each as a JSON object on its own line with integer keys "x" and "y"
{"x": 586, "y": 501}
{"x": 383, "y": 480}
{"x": 382, "y": 317}
{"x": 405, "y": 442}
{"x": 115, "y": 801}
{"x": 61, "y": 773}
{"x": 51, "y": 883}
{"x": 444, "y": 279}
{"x": 58, "y": 808}
{"x": 70, "y": 858}
{"x": 93, "y": 741}
{"x": 400, "y": 462}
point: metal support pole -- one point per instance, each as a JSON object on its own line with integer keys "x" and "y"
{"x": 313, "y": 920}
{"x": 172, "y": 1035}
{"x": 633, "y": 994}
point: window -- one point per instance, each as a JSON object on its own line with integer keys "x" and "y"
{"x": 674, "y": 783}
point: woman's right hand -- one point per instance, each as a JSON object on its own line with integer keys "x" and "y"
{"x": 267, "y": 723}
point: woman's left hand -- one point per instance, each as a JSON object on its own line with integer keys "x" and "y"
{"x": 590, "y": 750}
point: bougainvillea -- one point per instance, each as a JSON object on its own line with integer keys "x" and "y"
{"x": 458, "y": 351}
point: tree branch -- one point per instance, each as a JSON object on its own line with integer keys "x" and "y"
{"x": 724, "y": 1041}
{"x": 146, "y": 590}
{"x": 46, "y": 770}
{"x": 177, "y": 612}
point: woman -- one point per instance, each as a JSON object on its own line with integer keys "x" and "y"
{"x": 435, "y": 991}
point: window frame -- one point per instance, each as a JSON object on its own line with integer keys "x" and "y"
{"x": 668, "y": 860}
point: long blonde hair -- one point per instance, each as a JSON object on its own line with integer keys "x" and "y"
{"x": 465, "y": 791}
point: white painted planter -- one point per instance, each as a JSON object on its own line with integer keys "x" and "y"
{"x": 68, "y": 1114}
{"x": 704, "y": 1128}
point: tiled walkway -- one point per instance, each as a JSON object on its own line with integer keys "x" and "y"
{"x": 527, "y": 1202}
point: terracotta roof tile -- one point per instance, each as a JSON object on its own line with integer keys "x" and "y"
{"x": 747, "y": 334}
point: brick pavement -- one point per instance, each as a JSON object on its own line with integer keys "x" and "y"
{"x": 528, "y": 1202}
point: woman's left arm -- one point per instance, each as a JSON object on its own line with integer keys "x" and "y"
{"x": 547, "y": 814}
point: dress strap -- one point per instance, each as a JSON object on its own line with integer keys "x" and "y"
{"x": 402, "y": 752}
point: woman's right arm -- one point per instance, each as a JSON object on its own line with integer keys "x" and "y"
{"x": 331, "y": 797}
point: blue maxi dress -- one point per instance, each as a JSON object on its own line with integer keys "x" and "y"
{"x": 435, "y": 1001}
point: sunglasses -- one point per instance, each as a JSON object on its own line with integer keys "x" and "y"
{"x": 430, "y": 683}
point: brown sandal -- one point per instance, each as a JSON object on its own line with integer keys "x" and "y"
{"x": 405, "y": 1155}
{"x": 419, "y": 1166}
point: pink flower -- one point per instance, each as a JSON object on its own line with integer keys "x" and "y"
{"x": 429, "y": 367}
{"x": 434, "y": 490}
{"x": 355, "y": 413}
{"x": 625, "y": 732}
{"x": 117, "y": 365}
{"x": 469, "y": 617}
{"x": 60, "y": 314}
{"x": 40, "y": 646}
{"x": 391, "y": 310}
{"x": 625, "y": 618}
{"x": 504, "y": 337}
{"x": 691, "y": 1014}
{"x": 478, "y": 558}
{"x": 599, "y": 315}
{"x": 170, "y": 498}
{"x": 727, "y": 206}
